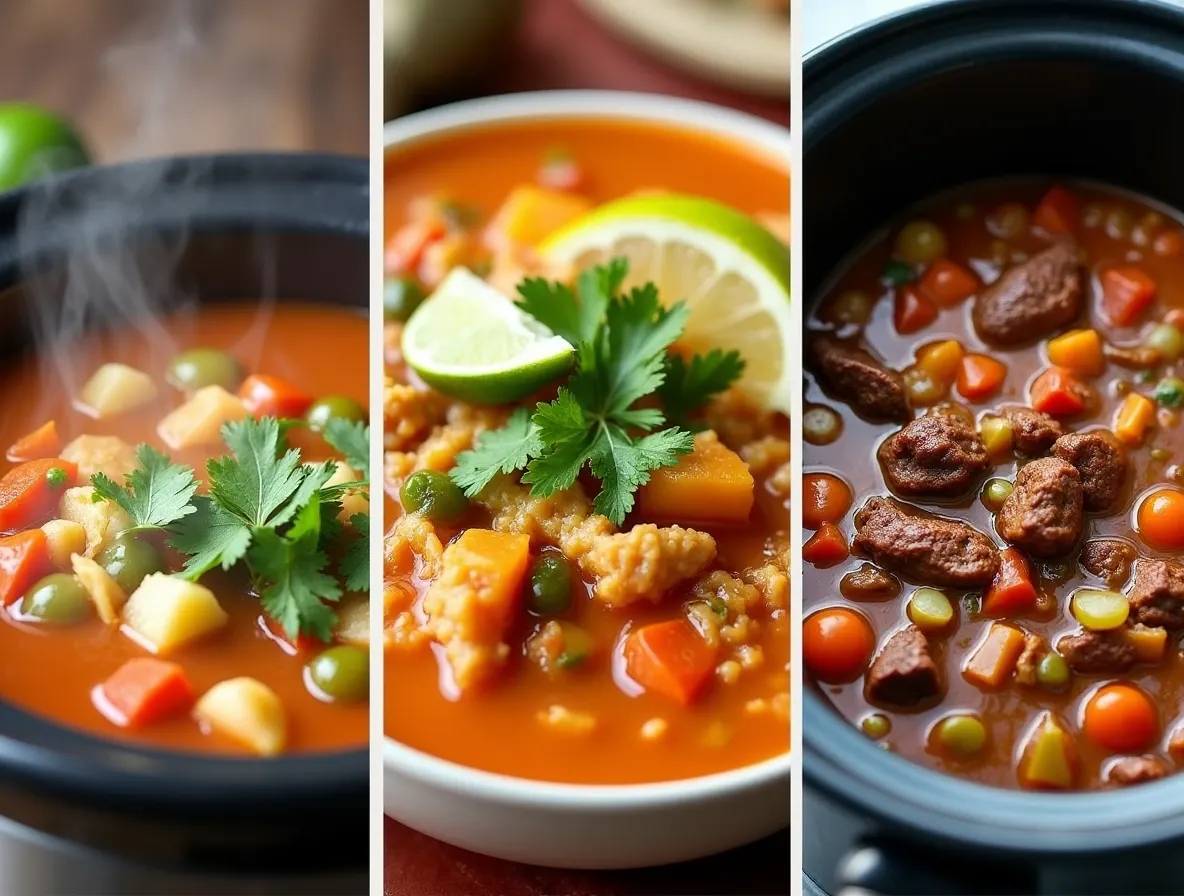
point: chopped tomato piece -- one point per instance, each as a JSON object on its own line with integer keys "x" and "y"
{"x": 29, "y": 493}
{"x": 408, "y": 243}
{"x": 145, "y": 690}
{"x": 41, "y": 442}
{"x": 1126, "y": 293}
{"x": 980, "y": 376}
{"x": 1134, "y": 417}
{"x": 1012, "y": 592}
{"x": 1057, "y": 212}
{"x": 912, "y": 311}
{"x": 1059, "y": 393}
{"x": 948, "y": 283}
{"x": 269, "y": 396}
{"x": 24, "y": 558}
{"x": 826, "y": 547}
{"x": 670, "y": 658}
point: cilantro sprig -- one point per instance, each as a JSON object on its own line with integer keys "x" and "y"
{"x": 604, "y": 417}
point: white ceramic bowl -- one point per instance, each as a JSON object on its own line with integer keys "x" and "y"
{"x": 577, "y": 825}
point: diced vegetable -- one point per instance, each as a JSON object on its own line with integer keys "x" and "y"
{"x": 1167, "y": 340}
{"x": 995, "y": 492}
{"x": 110, "y": 455}
{"x": 912, "y": 311}
{"x": 497, "y": 563}
{"x": 876, "y": 725}
{"x": 941, "y": 360}
{"x": 353, "y": 622}
{"x": 1079, "y": 351}
{"x": 923, "y": 388}
{"x": 826, "y": 547}
{"x": 531, "y": 214}
{"x": 103, "y": 590}
{"x": 1121, "y": 718}
{"x": 821, "y": 425}
{"x": 1161, "y": 519}
{"x": 998, "y": 436}
{"x": 1150, "y": 643}
{"x": 101, "y": 520}
{"x": 340, "y": 673}
{"x": 264, "y": 395}
{"x": 837, "y": 644}
{"x": 129, "y": 559}
{"x": 980, "y": 377}
{"x": 920, "y": 242}
{"x": 200, "y": 367}
{"x": 199, "y": 421}
{"x": 577, "y": 646}
{"x": 854, "y": 306}
{"x": 1058, "y": 393}
{"x": 433, "y": 495}
{"x": 1099, "y": 611}
{"x": 41, "y": 442}
{"x": 58, "y": 598}
{"x": 1012, "y": 592}
{"x": 24, "y": 559}
{"x": 551, "y": 580}
{"x": 333, "y": 407}
{"x": 1170, "y": 392}
{"x": 165, "y": 613}
{"x": 929, "y": 610}
{"x": 116, "y": 389}
{"x": 30, "y": 492}
{"x": 406, "y": 247}
{"x": 1126, "y": 294}
{"x": 63, "y": 538}
{"x": 948, "y": 283}
{"x": 711, "y": 484}
{"x": 1053, "y": 672}
{"x": 826, "y": 499}
{"x": 669, "y": 658}
{"x": 1057, "y": 212}
{"x": 145, "y": 690}
{"x": 995, "y": 657}
{"x": 962, "y": 735}
{"x": 1134, "y": 417}
{"x": 246, "y": 711}
{"x": 1048, "y": 759}
{"x": 353, "y": 501}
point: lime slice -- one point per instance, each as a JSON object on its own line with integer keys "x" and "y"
{"x": 471, "y": 342}
{"x": 34, "y": 143}
{"x": 732, "y": 273}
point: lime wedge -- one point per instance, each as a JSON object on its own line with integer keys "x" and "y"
{"x": 470, "y": 342}
{"x": 34, "y": 143}
{"x": 732, "y": 273}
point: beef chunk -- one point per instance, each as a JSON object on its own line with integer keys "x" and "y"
{"x": 851, "y": 373}
{"x": 924, "y": 548}
{"x": 1031, "y": 300}
{"x": 869, "y": 583}
{"x": 1108, "y": 559}
{"x": 935, "y": 456}
{"x": 1033, "y": 432}
{"x": 1043, "y": 513}
{"x": 1101, "y": 461}
{"x": 1107, "y": 653}
{"x": 1136, "y": 770}
{"x": 903, "y": 672}
{"x": 1157, "y": 595}
{"x": 1026, "y": 667}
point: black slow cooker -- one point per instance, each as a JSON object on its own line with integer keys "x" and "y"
{"x": 904, "y": 108}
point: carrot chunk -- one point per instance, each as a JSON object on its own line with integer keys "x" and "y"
{"x": 826, "y": 547}
{"x": 1126, "y": 293}
{"x": 941, "y": 360}
{"x": 1057, "y": 212}
{"x": 980, "y": 376}
{"x": 29, "y": 493}
{"x": 145, "y": 690}
{"x": 711, "y": 484}
{"x": 995, "y": 657}
{"x": 1059, "y": 393}
{"x": 1012, "y": 592}
{"x": 41, "y": 442}
{"x": 264, "y": 395}
{"x": 669, "y": 658}
{"x": 948, "y": 283}
{"x": 24, "y": 558}
{"x": 1134, "y": 417}
{"x": 1079, "y": 351}
{"x": 912, "y": 311}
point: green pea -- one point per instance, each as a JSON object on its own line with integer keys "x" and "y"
{"x": 200, "y": 367}
{"x": 56, "y": 477}
{"x": 400, "y": 297}
{"x": 995, "y": 492}
{"x": 129, "y": 559}
{"x": 341, "y": 673}
{"x": 550, "y": 584}
{"x": 876, "y": 726}
{"x": 964, "y": 736}
{"x": 326, "y": 408}
{"x": 434, "y": 495}
{"x": 58, "y": 598}
{"x": 1053, "y": 672}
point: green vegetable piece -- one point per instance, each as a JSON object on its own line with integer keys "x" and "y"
{"x": 1167, "y": 340}
{"x": 129, "y": 559}
{"x": 400, "y": 297}
{"x": 577, "y": 646}
{"x": 58, "y": 598}
{"x": 962, "y": 735}
{"x": 876, "y": 725}
{"x": 200, "y": 367}
{"x": 1170, "y": 392}
{"x": 331, "y": 407}
{"x": 434, "y": 495}
{"x": 898, "y": 273}
{"x": 995, "y": 492}
{"x": 550, "y": 584}
{"x": 1053, "y": 672}
{"x": 341, "y": 673}
{"x": 56, "y": 477}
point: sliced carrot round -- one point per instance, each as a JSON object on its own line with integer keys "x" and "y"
{"x": 1160, "y": 519}
{"x": 837, "y": 644}
{"x": 1121, "y": 718}
{"x": 826, "y": 499}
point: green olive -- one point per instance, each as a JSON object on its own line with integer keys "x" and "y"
{"x": 1053, "y": 672}
{"x": 876, "y": 726}
{"x": 964, "y": 736}
{"x": 400, "y": 297}
{"x": 550, "y": 584}
{"x": 434, "y": 495}
{"x": 327, "y": 407}
{"x": 920, "y": 242}
{"x": 58, "y": 598}
{"x": 200, "y": 367}
{"x": 996, "y": 492}
{"x": 129, "y": 559}
{"x": 341, "y": 673}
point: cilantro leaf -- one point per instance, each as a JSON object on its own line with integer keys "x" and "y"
{"x": 256, "y": 484}
{"x": 497, "y": 451}
{"x": 552, "y": 305}
{"x": 689, "y": 386}
{"x": 355, "y": 562}
{"x": 157, "y": 492}
{"x": 623, "y": 464}
{"x": 211, "y": 536}
{"x": 351, "y": 439}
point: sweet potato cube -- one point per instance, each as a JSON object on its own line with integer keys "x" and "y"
{"x": 165, "y": 613}
{"x": 199, "y": 420}
{"x": 995, "y": 657}
{"x": 116, "y": 389}
{"x": 248, "y": 712}
{"x": 531, "y": 214}
{"x": 711, "y": 484}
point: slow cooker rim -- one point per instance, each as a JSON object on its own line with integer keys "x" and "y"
{"x": 843, "y": 764}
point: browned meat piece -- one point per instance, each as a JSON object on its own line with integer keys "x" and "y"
{"x": 1031, "y": 300}
{"x": 1136, "y": 770}
{"x": 851, "y": 373}
{"x": 1033, "y": 433}
{"x": 1101, "y": 461}
{"x": 903, "y": 673}
{"x": 924, "y": 548}
{"x": 1157, "y": 595}
{"x": 1043, "y": 513}
{"x": 1109, "y": 653}
{"x": 869, "y": 583}
{"x": 935, "y": 456}
{"x": 1108, "y": 559}
{"x": 1035, "y": 647}
{"x": 1141, "y": 357}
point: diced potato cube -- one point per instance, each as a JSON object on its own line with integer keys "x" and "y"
{"x": 199, "y": 420}
{"x": 353, "y": 622}
{"x": 531, "y": 214}
{"x": 104, "y": 591}
{"x": 354, "y": 501}
{"x": 246, "y": 711}
{"x": 116, "y": 389}
{"x": 110, "y": 455}
{"x": 995, "y": 656}
{"x": 1048, "y": 759}
{"x": 102, "y": 520}
{"x": 166, "y": 613}
{"x": 63, "y": 538}
{"x": 1150, "y": 643}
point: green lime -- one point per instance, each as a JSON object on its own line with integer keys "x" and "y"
{"x": 34, "y": 143}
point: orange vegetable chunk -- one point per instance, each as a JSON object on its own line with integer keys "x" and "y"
{"x": 711, "y": 484}
{"x": 1121, "y": 718}
{"x": 41, "y": 442}
{"x": 670, "y": 658}
{"x": 1012, "y": 592}
{"x": 995, "y": 657}
{"x": 495, "y": 563}
{"x": 27, "y": 496}
{"x": 1126, "y": 293}
{"x": 1134, "y": 417}
{"x": 948, "y": 283}
{"x": 1058, "y": 393}
{"x": 1161, "y": 519}
{"x": 1079, "y": 351}
{"x": 826, "y": 499}
{"x": 1057, "y": 212}
{"x": 24, "y": 558}
{"x": 264, "y": 395}
{"x": 145, "y": 690}
{"x": 980, "y": 376}
{"x": 826, "y": 547}
{"x": 912, "y": 310}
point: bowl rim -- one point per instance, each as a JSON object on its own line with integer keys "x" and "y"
{"x": 771, "y": 143}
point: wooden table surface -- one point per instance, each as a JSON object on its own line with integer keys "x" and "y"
{"x": 559, "y": 46}
{"x": 157, "y": 77}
